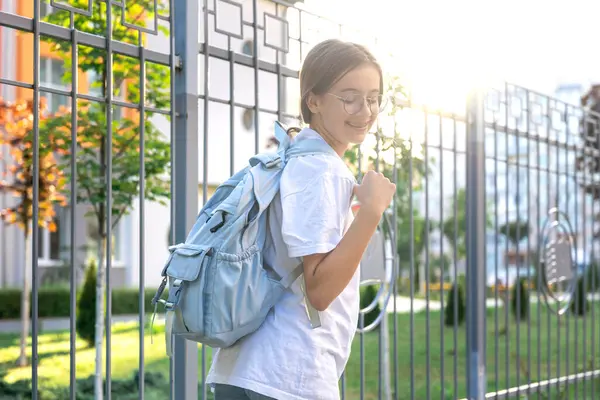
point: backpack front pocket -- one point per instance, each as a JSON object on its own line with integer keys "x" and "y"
{"x": 242, "y": 291}
{"x": 186, "y": 265}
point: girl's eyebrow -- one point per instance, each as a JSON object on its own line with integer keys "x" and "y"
{"x": 358, "y": 91}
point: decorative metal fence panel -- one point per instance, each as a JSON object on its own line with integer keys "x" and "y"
{"x": 482, "y": 281}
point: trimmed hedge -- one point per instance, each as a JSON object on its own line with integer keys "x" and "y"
{"x": 54, "y": 302}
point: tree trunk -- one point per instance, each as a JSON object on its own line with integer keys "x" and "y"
{"x": 25, "y": 304}
{"x": 99, "y": 334}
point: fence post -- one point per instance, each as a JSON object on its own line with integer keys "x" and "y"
{"x": 476, "y": 229}
{"x": 184, "y": 365}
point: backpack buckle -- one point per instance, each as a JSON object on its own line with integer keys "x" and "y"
{"x": 159, "y": 292}
{"x": 174, "y": 295}
{"x": 273, "y": 163}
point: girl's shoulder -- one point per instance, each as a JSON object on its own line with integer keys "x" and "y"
{"x": 313, "y": 166}
{"x": 316, "y": 178}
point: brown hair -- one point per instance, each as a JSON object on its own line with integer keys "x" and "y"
{"x": 327, "y": 63}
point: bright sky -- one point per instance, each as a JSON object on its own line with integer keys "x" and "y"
{"x": 447, "y": 44}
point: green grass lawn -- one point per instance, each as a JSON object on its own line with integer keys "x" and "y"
{"x": 522, "y": 365}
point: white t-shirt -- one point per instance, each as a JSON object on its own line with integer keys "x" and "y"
{"x": 285, "y": 358}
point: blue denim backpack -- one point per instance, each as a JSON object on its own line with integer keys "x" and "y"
{"x": 219, "y": 291}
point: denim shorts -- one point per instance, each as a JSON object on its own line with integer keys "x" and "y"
{"x": 228, "y": 392}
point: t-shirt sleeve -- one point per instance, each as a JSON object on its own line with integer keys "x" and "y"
{"x": 314, "y": 213}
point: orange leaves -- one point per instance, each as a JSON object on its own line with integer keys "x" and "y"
{"x": 16, "y": 126}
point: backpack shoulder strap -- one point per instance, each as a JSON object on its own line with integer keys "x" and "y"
{"x": 286, "y": 281}
{"x": 303, "y": 147}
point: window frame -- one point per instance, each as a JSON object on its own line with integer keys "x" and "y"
{"x": 46, "y": 80}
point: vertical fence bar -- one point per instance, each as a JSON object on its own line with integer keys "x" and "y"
{"x": 476, "y": 379}
{"x": 206, "y": 104}
{"x": 528, "y": 263}
{"x": 567, "y": 201}
{"x": 412, "y": 270}
{"x": 455, "y": 288}
{"x": 73, "y": 204}
{"x": 231, "y": 110}
{"x": 442, "y": 257}
{"x": 539, "y": 265}
{"x": 396, "y": 265}
{"x": 36, "y": 206}
{"x": 361, "y": 319}
{"x": 142, "y": 278}
{"x": 594, "y": 291}
{"x": 109, "y": 120}
{"x": 582, "y": 262}
{"x": 173, "y": 115}
{"x": 518, "y": 298}
{"x": 557, "y": 205}
{"x": 548, "y": 321}
{"x": 426, "y": 270}
{"x": 382, "y": 324}
{"x": 256, "y": 73}
{"x": 496, "y": 251}
{"x": 184, "y": 377}
{"x": 506, "y": 244}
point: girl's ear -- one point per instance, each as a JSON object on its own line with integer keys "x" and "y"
{"x": 313, "y": 102}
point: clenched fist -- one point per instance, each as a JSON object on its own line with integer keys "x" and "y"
{"x": 375, "y": 193}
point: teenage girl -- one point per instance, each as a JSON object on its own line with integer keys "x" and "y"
{"x": 341, "y": 86}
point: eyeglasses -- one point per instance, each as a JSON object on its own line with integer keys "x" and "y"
{"x": 353, "y": 103}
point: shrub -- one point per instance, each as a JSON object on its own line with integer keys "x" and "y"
{"x": 520, "y": 300}
{"x": 86, "y": 307}
{"x": 54, "y": 302}
{"x": 455, "y": 296}
{"x": 580, "y": 304}
{"x": 156, "y": 386}
{"x": 593, "y": 278}
{"x": 367, "y": 296}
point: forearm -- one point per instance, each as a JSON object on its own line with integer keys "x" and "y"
{"x": 332, "y": 274}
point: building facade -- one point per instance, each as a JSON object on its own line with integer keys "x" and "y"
{"x": 53, "y": 257}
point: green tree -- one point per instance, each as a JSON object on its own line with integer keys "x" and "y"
{"x": 580, "y": 304}
{"x": 515, "y": 232}
{"x": 455, "y": 226}
{"x": 520, "y": 300}
{"x": 93, "y": 147}
{"x": 16, "y": 135}
{"x": 456, "y": 299}
{"x": 438, "y": 267}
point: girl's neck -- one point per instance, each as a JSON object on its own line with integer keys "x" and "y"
{"x": 339, "y": 147}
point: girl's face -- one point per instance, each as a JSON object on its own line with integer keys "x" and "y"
{"x": 348, "y": 110}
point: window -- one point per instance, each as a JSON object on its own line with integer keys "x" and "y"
{"x": 45, "y": 8}
{"x": 95, "y": 89}
{"x": 51, "y": 76}
{"x": 53, "y": 245}
{"x": 94, "y": 78}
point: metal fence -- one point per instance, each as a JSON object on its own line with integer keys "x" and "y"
{"x": 482, "y": 282}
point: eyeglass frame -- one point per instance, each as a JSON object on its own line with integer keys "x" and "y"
{"x": 342, "y": 99}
